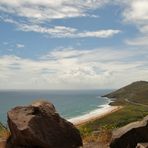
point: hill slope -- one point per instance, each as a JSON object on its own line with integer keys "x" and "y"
{"x": 136, "y": 92}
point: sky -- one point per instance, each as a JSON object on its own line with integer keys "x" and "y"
{"x": 79, "y": 44}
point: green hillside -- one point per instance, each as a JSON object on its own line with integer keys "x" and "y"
{"x": 134, "y": 100}
{"x": 136, "y": 92}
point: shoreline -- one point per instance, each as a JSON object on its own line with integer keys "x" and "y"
{"x": 93, "y": 115}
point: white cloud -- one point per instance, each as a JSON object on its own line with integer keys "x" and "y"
{"x": 57, "y": 31}
{"x": 38, "y": 11}
{"x": 99, "y": 34}
{"x": 140, "y": 41}
{"x": 62, "y": 31}
{"x": 94, "y": 16}
{"x": 144, "y": 29}
{"x": 46, "y": 10}
{"x": 20, "y": 45}
{"x": 74, "y": 69}
{"x": 137, "y": 11}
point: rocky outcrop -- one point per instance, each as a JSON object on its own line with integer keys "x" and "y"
{"x": 131, "y": 134}
{"x": 40, "y": 126}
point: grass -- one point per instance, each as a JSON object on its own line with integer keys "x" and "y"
{"x": 100, "y": 130}
{"x": 136, "y": 92}
{"x": 4, "y": 132}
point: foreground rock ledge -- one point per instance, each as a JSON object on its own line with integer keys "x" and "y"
{"x": 40, "y": 126}
{"x": 131, "y": 134}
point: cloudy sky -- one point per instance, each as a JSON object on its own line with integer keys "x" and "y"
{"x": 78, "y": 44}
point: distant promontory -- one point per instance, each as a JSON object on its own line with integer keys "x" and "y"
{"x": 137, "y": 92}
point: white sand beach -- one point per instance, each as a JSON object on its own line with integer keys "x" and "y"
{"x": 95, "y": 114}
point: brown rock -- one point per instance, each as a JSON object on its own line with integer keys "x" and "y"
{"x": 131, "y": 134}
{"x": 2, "y": 143}
{"x": 40, "y": 126}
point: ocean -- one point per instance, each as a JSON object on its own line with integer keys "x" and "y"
{"x": 69, "y": 103}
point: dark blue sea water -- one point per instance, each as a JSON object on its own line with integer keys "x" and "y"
{"x": 69, "y": 103}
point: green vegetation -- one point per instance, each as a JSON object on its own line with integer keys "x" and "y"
{"x": 136, "y": 92}
{"x": 133, "y": 98}
{"x": 4, "y": 132}
{"x": 100, "y": 130}
{"x": 1, "y": 127}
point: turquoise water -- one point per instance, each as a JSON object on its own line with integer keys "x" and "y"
{"x": 69, "y": 103}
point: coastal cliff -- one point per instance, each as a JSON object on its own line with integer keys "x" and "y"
{"x": 136, "y": 92}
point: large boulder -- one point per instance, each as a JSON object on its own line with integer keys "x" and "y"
{"x": 131, "y": 134}
{"x": 40, "y": 126}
